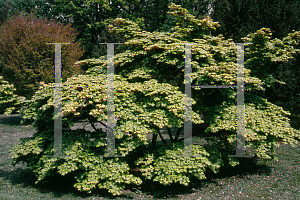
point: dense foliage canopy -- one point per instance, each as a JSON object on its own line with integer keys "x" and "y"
{"x": 149, "y": 95}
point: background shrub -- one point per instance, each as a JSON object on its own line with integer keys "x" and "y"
{"x": 26, "y": 59}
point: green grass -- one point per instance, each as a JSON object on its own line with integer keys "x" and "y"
{"x": 250, "y": 180}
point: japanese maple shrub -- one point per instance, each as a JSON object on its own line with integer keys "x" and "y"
{"x": 149, "y": 95}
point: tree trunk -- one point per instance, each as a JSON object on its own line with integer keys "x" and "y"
{"x": 154, "y": 138}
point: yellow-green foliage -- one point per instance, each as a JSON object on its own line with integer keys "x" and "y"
{"x": 133, "y": 106}
{"x": 9, "y": 102}
{"x": 149, "y": 94}
{"x": 169, "y": 165}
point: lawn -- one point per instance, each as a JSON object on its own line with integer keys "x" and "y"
{"x": 250, "y": 180}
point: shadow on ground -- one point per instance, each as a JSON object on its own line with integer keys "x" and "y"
{"x": 57, "y": 185}
{"x": 11, "y": 120}
{"x": 247, "y": 167}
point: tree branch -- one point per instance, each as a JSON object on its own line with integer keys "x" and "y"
{"x": 106, "y": 126}
{"x": 85, "y": 125}
{"x": 177, "y": 134}
{"x": 163, "y": 140}
{"x": 154, "y": 138}
{"x": 170, "y": 135}
{"x": 92, "y": 124}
